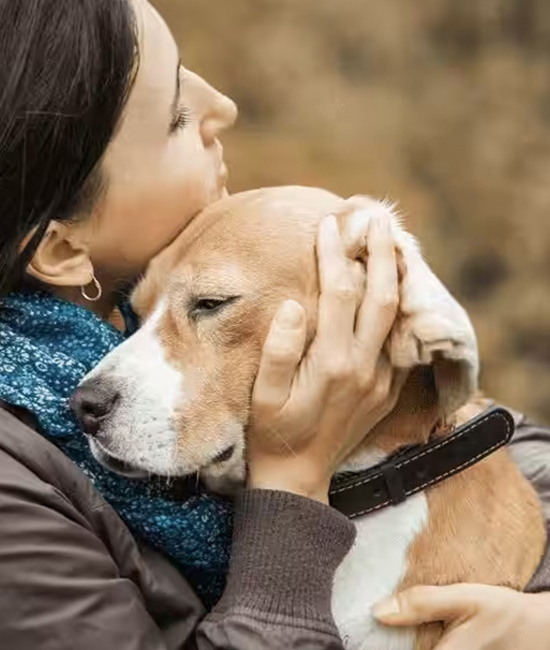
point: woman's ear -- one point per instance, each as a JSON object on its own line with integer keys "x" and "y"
{"x": 62, "y": 258}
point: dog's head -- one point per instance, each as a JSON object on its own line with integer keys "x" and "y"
{"x": 174, "y": 398}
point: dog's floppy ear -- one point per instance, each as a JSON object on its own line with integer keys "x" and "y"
{"x": 431, "y": 327}
{"x": 415, "y": 416}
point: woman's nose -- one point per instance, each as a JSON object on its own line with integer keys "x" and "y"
{"x": 220, "y": 114}
{"x": 214, "y": 110}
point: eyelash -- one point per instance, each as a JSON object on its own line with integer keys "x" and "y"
{"x": 181, "y": 120}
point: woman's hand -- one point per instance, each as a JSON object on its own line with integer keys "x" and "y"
{"x": 476, "y": 617}
{"x": 307, "y": 417}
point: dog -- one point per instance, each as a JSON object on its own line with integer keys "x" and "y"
{"x": 174, "y": 398}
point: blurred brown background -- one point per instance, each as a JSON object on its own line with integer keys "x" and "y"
{"x": 442, "y": 105}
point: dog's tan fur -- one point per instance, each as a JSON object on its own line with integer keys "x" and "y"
{"x": 485, "y": 524}
{"x": 221, "y": 355}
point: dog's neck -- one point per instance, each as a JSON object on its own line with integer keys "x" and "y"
{"x": 415, "y": 419}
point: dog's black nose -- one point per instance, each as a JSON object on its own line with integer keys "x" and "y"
{"x": 92, "y": 402}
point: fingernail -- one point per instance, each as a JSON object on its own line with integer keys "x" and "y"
{"x": 386, "y": 608}
{"x": 290, "y": 314}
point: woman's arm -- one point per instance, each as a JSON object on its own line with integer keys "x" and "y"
{"x": 530, "y": 448}
{"x": 61, "y": 589}
{"x": 286, "y": 550}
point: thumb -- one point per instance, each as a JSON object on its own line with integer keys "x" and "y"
{"x": 281, "y": 355}
{"x": 427, "y": 605}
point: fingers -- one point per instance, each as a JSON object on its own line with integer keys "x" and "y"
{"x": 379, "y": 307}
{"x": 338, "y": 299}
{"x": 429, "y": 604}
{"x": 282, "y": 351}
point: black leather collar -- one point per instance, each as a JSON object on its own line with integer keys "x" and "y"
{"x": 414, "y": 469}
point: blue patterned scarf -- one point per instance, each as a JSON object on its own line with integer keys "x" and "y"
{"x": 47, "y": 346}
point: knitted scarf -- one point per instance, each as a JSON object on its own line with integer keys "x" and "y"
{"x": 47, "y": 346}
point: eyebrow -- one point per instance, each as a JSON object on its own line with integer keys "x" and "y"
{"x": 176, "y": 100}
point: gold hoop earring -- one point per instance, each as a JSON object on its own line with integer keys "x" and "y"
{"x": 99, "y": 290}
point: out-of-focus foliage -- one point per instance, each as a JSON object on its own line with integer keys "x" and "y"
{"x": 443, "y": 105}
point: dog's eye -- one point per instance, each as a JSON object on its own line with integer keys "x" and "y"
{"x": 207, "y": 306}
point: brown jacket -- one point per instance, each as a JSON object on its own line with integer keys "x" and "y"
{"x": 73, "y": 577}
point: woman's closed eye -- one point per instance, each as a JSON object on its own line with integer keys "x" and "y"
{"x": 181, "y": 119}
{"x": 180, "y": 113}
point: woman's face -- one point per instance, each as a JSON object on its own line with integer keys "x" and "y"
{"x": 165, "y": 163}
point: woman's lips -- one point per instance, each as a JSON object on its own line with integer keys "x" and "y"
{"x": 224, "y": 174}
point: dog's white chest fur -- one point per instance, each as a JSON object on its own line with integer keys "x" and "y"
{"x": 372, "y": 570}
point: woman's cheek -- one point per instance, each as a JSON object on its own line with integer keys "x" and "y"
{"x": 141, "y": 219}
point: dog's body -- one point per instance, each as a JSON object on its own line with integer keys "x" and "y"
{"x": 180, "y": 391}
{"x": 480, "y": 526}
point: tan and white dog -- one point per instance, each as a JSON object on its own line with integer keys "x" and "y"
{"x": 174, "y": 398}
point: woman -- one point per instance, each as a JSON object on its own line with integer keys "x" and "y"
{"x": 108, "y": 146}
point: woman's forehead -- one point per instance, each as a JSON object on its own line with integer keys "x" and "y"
{"x": 158, "y": 53}
{"x": 147, "y": 113}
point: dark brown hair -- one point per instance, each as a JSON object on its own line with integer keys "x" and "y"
{"x": 66, "y": 68}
